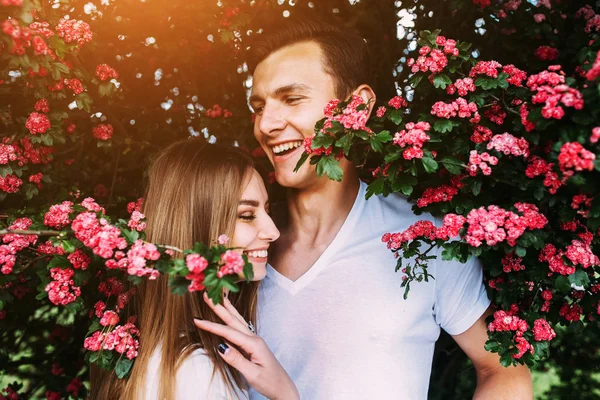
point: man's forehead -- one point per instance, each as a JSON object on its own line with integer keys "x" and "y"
{"x": 298, "y": 66}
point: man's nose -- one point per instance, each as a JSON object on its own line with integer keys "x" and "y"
{"x": 271, "y": 120}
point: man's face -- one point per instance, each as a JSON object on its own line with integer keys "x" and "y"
{"x": 289, "y": 92}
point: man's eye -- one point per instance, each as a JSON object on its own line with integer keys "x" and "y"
{"x": 258, "y": 110}
{"x": 291, "y": 100}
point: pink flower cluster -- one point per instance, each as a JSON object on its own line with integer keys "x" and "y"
{"x": 134, "y": 262}
{"x": 75, "y": 85}
{"x": 380, "y": 111}
{"x": 436, "y": 195}
{"x": 72, "y": 30}
{"x": 58, "y": 215}
{"x": 233, "y": 263}
{"x": 509, "y": 145}
{"x": 511, "y": 263}
{"x": 135, "y": 205}
{"x": 7, "y": 153}
{"x": 508, "y": 322}
{"x": 495, "y": 114}
{"x": 481, "y": 134}
{"x": 552, "y": 91}
{"x": 459, "y": 107}
{"x": 14, "y": 243}
{"x": 37, "y": 123}
{"x": 79, "y": 260}
{"x": 98, "y": 235}
{"x": 574, "y": 156}
{"x": 594, "y": 72}
{"x": 494, "y": 224}
{"x": 350, "y": 117}
{"x": 432, "y": 60}
{"x": 136, "y": 222}
{"x": 524, "y": 112}
{"x": 546, "y": 53}
{"x": 488, "y": 68}
{"x": 592, "y": 19}
{"x": 105, "y": 72}
{"x": 539, "y": 166}
{"x": 547, "y": 296}
{"x": 61, "y": 291}
{"x": 451, "y": 226}
{"x": 216, "y": 111}
{"x": 462, "y": 86}
{"x": 122, "y": 339}
{"x": 196, "y": 264}
{"x": 414, "y": 136}
{"x": 10, "y": 183}
{"x": 594, "y": 138}
{"x": 395, "y": 102}
{"x": 571, "y": 312}
{"x": 109, "y": 318}
{"x": 449, "y": 45}
{"x": 103, "y": 131}
{"x": 42, "y": 106}
{"x": 481, "y": 162}
{"x": 516, "y": 76}
{"x": 580, "y": 253}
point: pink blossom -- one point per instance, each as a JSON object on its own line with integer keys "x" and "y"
{"x": 61, "y": 291}
{"x": 136, "y": 222}
{"x": 539, "y": 18}
{"x": 594, "y": 138}
{"x": 574, "y": 156}
{"x": 396, "y": 102}
{"x": 105, "y": 72}
{"x": 233, "y": 263}
{"x": 103, "y": 131}
{"x": 58, "y": 215}
{"x": 109, "y": 318}
{"x": 509, "y": 145}
{"x": 37, "y": 123}
{"x": 79, "y": 259}
{"x": 196, "y": 263}
{"x": 72, "y": 30}
{"x": 222, "y": 239}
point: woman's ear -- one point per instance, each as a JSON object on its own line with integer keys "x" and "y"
{"x": 368, "y": 95}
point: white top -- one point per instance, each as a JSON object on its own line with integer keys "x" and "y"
{"x": 343, "y": 330}
{"x": 194, "y": 380}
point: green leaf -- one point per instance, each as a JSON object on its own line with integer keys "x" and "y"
{"x": 395, "y": 116}
{"x": 562, "y": 284}
{"x": 415, "y": 80}
{"x": 5, "y": 170}
{"x": 521, "y": 251}
{"x": 123, "y": 367}
{"x": 429, "y": 164}
{"x": 345, "y": 142}
{"x": 67, "y": 246}
{"x": 324, "y": 141}
{"x": 582, "y": 118}
{"x": 476, "y": 188}
{"x": 579, "y": 278}
{"x": 130, "y": 236}
{"x": 384, "y": 136}
{"x": 330, "y": 166}
{"x": 375, "y": 188}
{"x": 47, "y": 139}
{"x": 452, "y": 164}
{"x": 444, "y": 125}
{"x": 441, "y": 81}
{"x": 301, "y": 161}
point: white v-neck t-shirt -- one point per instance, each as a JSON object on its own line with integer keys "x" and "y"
{"x": 343, "y": 330}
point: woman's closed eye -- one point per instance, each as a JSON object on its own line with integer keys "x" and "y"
{"x": 247, "y": 216}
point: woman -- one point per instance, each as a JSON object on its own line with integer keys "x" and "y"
{"x": 195, "y": 193}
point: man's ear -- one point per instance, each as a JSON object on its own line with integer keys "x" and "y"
{"x": 368, "y": 95}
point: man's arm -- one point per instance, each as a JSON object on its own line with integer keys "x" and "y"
{"x": 493, "y": 380}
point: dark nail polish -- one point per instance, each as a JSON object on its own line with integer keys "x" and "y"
{"x": 223, "y": 348}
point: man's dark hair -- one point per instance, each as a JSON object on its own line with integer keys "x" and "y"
{"x": 345, "y": 52}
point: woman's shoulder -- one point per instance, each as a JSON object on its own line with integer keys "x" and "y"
{"x": 197, "y": 379}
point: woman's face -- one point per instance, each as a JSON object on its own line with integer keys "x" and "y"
{"x": 254, "y": 228}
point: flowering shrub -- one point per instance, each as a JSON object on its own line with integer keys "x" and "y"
{"x": 87, "y": 251}
{"x": 508, "y": 159}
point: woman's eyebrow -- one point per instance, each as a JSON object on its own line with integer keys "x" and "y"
{"x": 245, "y": 202}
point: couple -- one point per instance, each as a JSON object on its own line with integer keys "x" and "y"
{"x": 332, "y": 323}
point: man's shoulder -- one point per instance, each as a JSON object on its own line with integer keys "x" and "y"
{"x": 394, "y": 207}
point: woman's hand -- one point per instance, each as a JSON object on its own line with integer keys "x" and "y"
{"x": 261, "y": 369}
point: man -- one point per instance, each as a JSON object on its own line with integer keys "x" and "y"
{"x": 331, "y": 307}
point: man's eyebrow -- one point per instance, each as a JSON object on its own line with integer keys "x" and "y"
{"x": 294, "y": 87}
{"x": 245, "y": 202}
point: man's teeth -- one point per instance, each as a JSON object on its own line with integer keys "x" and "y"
{"x": 257, "y": 253}
{"x": 286, "y": 146}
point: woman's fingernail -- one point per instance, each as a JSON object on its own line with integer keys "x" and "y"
{"x": 223, "y": 348}
{"x": 198, "y": 318}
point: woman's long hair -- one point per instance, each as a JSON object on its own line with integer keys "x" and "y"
{"x": 192, "y": 196}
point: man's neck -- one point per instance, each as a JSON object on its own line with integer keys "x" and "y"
{"x": 317, "y": 213}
